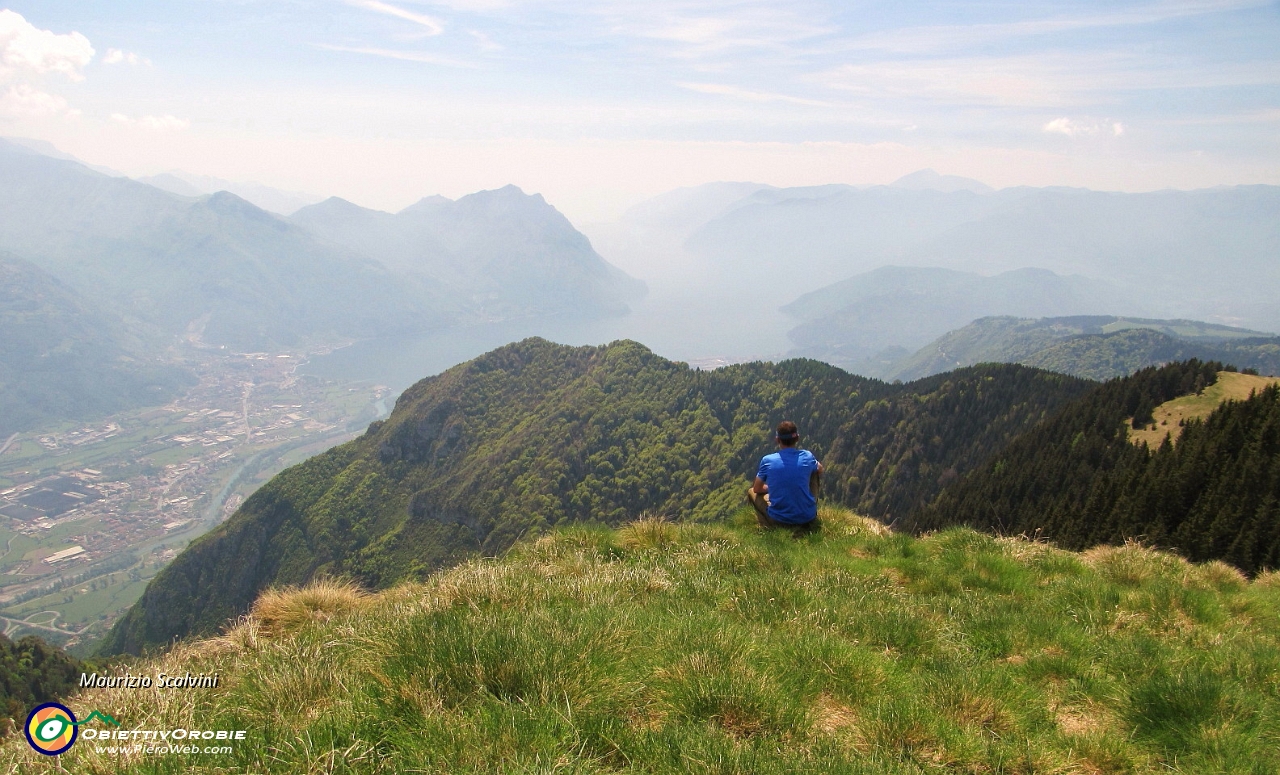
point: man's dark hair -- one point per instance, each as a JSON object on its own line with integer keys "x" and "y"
{"x": 787, "y": 433}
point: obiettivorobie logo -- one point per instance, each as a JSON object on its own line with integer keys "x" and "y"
{"x": 52, "y": 727}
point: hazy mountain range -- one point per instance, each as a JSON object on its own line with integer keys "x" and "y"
{"x": 235, "y": 274}
{"x": 867, "y": 275}
{"x": 216, "y": 266}
{"x": 1094, "y": 347}
{"x": 271, "y": 199}
{"x": 97, "y": 255}
{"x": 61, "y": 358}
{"x": 892, "y": 311}
{"x": 504, "y": 252}
{"x": 1209, "y": 253}
{"x": 862, "y": 277}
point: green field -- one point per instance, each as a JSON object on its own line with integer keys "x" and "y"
{"x": 26, "y": 548}
{"x": 664, "y": 648}
{"x": 87, "y": 606}
{"x": 18, "y": 545}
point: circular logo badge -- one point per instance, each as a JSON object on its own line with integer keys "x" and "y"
{"x": 51, "y": 728}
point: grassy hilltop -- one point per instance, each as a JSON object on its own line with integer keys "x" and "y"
{"x": 661, "y": 647}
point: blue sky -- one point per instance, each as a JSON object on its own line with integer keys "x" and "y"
{"x": 600, "y": 104}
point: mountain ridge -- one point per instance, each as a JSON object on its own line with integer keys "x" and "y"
{"x": 536, "y": 434}
{"x": 1095, "y": 347}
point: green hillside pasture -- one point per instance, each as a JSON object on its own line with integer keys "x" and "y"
{"x": 1184, "y": 329}
{"x": 663, "y": 648}
{"x": 1169, "y": 416}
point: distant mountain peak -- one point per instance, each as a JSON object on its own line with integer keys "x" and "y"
{"x": 428, "y": 203}
{"x": 334, "y": 204}
{"x": 930, "y": 180}
{"x": 231, "y": 204}
{"x": 508, "y": 193}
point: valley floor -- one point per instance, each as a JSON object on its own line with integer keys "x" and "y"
{"x": 90, "y": 513}
{"x": 717, "y": 648}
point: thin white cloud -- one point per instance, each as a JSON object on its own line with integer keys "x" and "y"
{"x": 406, "y": 56}
{"x": 1024, "y": 81}
{"x": 1062, "y": 126}
{"x": 701, "y": 30}
{"x": 918, "y": 40}
{"x": 748, "y": 94}
{"x": 23, "y": 101}
{"x": 165, "y": 123}
{"x": 474, "y": 6}
{"x": 1072, "y": 128}
{"x": 430, "y": 24}
{"x": 26, "y": 48}
{"x": 115, "y": 56}
{"x": 1057, "y": 79}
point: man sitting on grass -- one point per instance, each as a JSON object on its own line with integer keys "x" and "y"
{"x": 786, "y": 487}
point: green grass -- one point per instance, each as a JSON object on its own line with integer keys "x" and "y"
{"x": 721, "y": 649}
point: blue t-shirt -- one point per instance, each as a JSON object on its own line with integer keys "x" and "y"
{"x": 787, "y": 474}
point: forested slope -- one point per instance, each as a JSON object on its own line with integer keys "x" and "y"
{"x": 32, "y": 672}
{"x": 536, "y": 434}
{"x": 1078, "y": 481}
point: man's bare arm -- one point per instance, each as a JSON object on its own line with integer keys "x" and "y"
{"x": 760, "y": 488}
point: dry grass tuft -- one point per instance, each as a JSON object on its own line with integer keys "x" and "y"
{"x": 648, "y": 532}
{"x": 982, "y": 711}
{"x": 1219, "y": 576}
{"x": 1134, "y": 564}
{"x": 279, "y": 611}
{"x": 1268, "y": 579}
{"x": 739, "y": 722}
{"x": 1025, "y": 548}
{"x": 835, "y": 719}
{"x": 842, "y": 522}
{"x": 241, "y": 636}
{"x": 472, "y": 584}
{"x": 1083, "y": 720}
